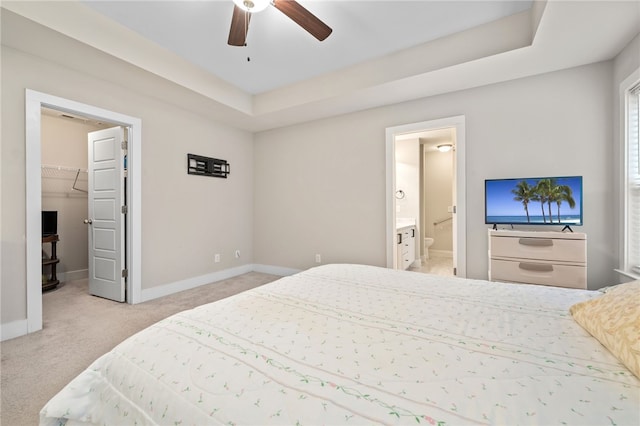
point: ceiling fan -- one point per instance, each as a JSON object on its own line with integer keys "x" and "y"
{"x": 243, "y": 9}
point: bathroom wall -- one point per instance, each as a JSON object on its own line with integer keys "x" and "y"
{"x": 408, "y": 178}
{"x": 408, "y": 181}
{"x": 438, "y": 190}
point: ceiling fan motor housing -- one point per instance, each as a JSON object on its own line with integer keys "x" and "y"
{"x": 252, "y": 6}
{"x": 243, "y": 10}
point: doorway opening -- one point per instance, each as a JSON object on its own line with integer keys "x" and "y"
{"x": 35, "y": 101}
{"x": 436, "y": 206}
{"x": 64, "y": 170}
{"x": 89, "y": 232}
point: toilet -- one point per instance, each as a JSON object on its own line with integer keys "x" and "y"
{"x": 428, "y": 242}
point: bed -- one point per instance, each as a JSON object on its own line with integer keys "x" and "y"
{"x": 355, "y": 344}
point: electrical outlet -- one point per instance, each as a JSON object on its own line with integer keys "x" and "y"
{"x": 217, "y": 258}
{"x": 237, "y": 254}
{"x": 318, "y": 258}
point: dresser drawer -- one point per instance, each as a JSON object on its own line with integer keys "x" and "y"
{"x": 539, "y": 273}
{"x": 534, "y": 248}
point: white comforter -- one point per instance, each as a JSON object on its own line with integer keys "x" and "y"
{"x": 352, "y": 344}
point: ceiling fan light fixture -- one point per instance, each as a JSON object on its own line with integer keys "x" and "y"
{"x": 252, "y": 6}
{"x": 243, "y": 9}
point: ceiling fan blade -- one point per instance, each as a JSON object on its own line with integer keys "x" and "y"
{"x": 304, "y": 18}
{"x": 239, "y": 27}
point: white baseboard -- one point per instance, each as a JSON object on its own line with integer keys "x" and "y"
{"x": 73, "y": 275}
{"x": 13, "y": 329}
{"x": 440, "y": 253}
{"x": 189, "y": 283}
{"x": 275, "y": 270}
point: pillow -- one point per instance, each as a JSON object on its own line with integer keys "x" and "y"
{"x": 614, "y": 319}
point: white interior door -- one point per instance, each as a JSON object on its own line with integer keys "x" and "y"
{"x": 454, "y": 207}
{"x": 105, "y": 221}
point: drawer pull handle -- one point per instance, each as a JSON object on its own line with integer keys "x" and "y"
{"x": 537, "y": 242}
{"x": 536, "y": 267}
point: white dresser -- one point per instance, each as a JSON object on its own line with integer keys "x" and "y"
{"x": 546, "y": 257}
{"x": 406, "y": 244}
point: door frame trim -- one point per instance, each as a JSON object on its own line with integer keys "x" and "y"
{"x": 34, "y": 101}
{"x": 458, "y": 122}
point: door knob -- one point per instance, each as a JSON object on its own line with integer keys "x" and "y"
{"x": 88, "y": 221}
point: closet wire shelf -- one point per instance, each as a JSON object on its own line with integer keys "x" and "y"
{"x": 61, "y": 180}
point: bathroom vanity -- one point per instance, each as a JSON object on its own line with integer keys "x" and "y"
{"x": 406, "y": 244}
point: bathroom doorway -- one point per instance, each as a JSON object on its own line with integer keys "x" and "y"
{"x": 437, "y": 195}
{"x": 440, "y": 188}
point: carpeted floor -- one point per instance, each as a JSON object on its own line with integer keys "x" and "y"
{"x": 79, "y": 328}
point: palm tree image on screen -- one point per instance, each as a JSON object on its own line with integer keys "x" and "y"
{"x": 546, "y": 192}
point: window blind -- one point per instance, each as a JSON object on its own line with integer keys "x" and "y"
{"x": 633, "y": 181}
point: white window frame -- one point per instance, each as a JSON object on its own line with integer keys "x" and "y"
{"x": 630, "y": 188}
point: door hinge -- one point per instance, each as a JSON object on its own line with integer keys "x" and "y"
{"x": 125, "y": 210}
{"x": 125, "y": 273}
{"x": 124, "y": 145}
{"x": 454, "y": 209}
{"x": 455, "y": 271}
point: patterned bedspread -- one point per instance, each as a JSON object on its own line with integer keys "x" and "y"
{"x": 353, "y": 344}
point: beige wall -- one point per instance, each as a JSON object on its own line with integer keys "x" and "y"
{"x": 319, "y": 189}
{"x": 626, "y": 62}
{"x": 320, "y": 186}
{"x": 185, "y": 219}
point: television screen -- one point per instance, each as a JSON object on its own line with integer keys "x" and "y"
{"x": 534, "y": 201}
{"x": 49, "y": 223}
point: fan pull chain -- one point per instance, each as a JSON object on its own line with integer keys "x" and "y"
{"x": 246, "y": 31}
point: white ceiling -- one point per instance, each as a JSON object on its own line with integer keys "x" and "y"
{"x": 380, "y": 52}
{"x": 280, "y": 51}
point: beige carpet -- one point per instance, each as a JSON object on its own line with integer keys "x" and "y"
{"x": 79, "y": 328}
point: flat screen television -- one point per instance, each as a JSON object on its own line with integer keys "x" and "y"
{"x": 534, "y": 201}
{"x": 49, "y": 223}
